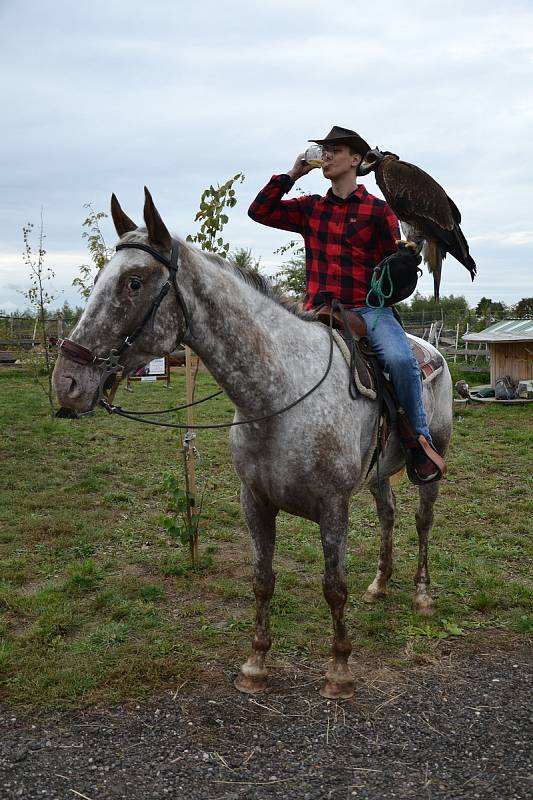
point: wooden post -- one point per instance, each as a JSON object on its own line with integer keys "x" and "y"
{"x": 113, "y": 390}
{"x": 456, "y": 343}
{"x": 189, "y": 449}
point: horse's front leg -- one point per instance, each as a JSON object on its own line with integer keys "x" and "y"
{"x": 386, "y": 507}
{"x": 261, "y": 520}
{"x": 333, "y": 531}
{"x": 422, "y": 601}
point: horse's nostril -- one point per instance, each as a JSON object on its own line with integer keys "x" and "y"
{"x": 70, "y": 386}
{"x": 66, "y": 388}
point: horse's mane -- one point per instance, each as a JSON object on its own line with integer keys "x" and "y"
{"x": 252, "y": 277}
{"x": 262, "y": 284}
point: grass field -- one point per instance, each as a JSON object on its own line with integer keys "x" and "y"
{"x": 97, "y": 604}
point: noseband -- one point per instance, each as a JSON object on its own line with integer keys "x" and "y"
{"x": 110, "y": 364}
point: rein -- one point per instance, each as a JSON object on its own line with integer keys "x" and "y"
{"x": 133, "y": 415}
{"x": 110, "y": 364}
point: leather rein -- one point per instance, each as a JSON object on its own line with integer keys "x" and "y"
{"x": 110, "y": 364}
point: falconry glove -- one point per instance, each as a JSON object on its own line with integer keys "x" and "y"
{"x": 395, "y": 278}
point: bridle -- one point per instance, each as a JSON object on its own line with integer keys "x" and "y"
{"x": 110, "y": 364}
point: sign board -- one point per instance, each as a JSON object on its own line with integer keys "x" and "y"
{"x": 156, "y": 370}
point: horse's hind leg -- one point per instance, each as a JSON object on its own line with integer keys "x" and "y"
{"x": 422, "y": 602}
{"x": 334, "y": 530}
{"x": 261, "y": 520}
{"x": 385, "y": 506}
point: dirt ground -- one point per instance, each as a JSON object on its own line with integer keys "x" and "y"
{"x": 457, "y": 728}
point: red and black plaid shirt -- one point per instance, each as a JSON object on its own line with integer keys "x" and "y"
{"x": 344, "y": 238}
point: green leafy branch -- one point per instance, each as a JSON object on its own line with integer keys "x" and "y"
{"x": 182, "y": 520}
{"x": 211, "y": 214}
{"x": 100, "y": 252}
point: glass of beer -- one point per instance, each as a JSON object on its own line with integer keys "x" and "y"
{"x": 314, "y": 156}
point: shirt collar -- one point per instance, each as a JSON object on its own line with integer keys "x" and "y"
{"x": 358, "y": 194}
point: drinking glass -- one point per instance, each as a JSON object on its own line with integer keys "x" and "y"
{"x": 314, "y": 156}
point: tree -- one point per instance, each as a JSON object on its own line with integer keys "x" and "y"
{"x": 524, "y": 308}
{"x": 488, "y": 309}
{"x": 244, "y": 258}
{"x": 292, "y": 278}
{"x": 453, "y": 308}
{"x": 68, "y": 314}
{"x": 184, "y": 518}
{"x": 39, "y": 298}
{"x": 100, "y": 252}
{"x": 483, "y": 307}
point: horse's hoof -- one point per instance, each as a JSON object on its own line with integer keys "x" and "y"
{"x": 423, "y": 605}
{"x": 373, "y": 597}
{"x": 250, "y": 684}
{"x": 341, "y": 690}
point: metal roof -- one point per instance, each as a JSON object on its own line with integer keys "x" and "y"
{"x": 507, "y": 330}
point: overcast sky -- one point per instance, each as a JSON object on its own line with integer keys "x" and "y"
{"x": 106, "y": 96}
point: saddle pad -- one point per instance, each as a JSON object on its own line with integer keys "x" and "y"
{"x": 430, "y": 363}
{"x": 429, "y": 360}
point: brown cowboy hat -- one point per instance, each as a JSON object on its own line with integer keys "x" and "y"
{"x": 344, "y": 136}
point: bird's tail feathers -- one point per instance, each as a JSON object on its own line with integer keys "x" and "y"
{"x": 433, "y": 255}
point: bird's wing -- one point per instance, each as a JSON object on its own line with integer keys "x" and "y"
{"x": 418, "y": 199}
{"x": 455, "y": 211}
{"x": 411, "y": 192}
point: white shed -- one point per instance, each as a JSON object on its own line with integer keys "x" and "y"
{"x": 510, "y": 344}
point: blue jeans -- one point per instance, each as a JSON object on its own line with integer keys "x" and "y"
{"x": 394, "y": 354}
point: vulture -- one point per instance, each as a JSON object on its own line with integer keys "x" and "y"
{"x": 430, "y": 219}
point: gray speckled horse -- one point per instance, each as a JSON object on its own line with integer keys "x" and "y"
{"x": 307, "y": 461}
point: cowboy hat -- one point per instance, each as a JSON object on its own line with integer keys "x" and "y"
{"x": 339, "y": 135}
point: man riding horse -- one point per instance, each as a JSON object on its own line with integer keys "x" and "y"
{"x": 346, "y": 233}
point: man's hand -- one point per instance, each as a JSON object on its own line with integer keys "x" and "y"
{"x": 301, "y": 167}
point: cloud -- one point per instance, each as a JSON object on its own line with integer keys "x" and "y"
{"x": 512, "y": 238}
{"x": 112, "y": 96}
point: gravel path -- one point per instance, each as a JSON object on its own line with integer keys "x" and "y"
{"x": 461, "y": 728}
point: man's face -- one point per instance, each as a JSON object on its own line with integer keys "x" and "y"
{"x": 340, "y": 161}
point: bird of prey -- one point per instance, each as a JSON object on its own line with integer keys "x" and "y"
{"x": 430, "y": 219}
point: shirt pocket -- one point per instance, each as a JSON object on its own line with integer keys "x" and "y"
{"x": 359, "y": 232}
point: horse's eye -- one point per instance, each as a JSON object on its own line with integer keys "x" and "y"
{"x": 135, "y": 284}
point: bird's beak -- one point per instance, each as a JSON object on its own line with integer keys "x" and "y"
{"x": 365, "y": 167}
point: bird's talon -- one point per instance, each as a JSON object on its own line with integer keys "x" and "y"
{"x": 406, "y": 243}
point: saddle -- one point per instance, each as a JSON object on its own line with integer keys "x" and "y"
{"x": 429, "y": 363}
{"x": 368, "y": 379}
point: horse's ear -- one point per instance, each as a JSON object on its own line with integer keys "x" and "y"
{"x": 157, "y": 230}
{"x": 123, "y": 223}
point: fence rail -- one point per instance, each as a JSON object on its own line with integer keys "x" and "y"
{"x": 23, "y": 334}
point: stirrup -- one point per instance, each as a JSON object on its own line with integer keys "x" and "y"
{"x": 422, "y": 444}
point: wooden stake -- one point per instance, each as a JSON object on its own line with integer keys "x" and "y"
{"x": 191, "y": 469}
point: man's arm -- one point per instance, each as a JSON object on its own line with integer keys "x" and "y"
{"x": 268, "y": 208}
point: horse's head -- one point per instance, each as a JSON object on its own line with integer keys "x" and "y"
{"x": 134, "y": 312}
